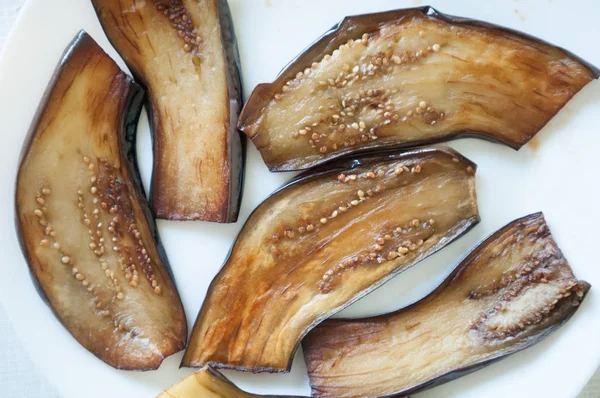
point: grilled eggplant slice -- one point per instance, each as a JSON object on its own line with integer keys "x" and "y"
{"x": 206, "y": 383}
{"x": 511, "y": 292}
{"x": 185, "y": 54}
{"x": 407, "y": 77}
{"x": 85, "y": 228}
{"x": 321, "y": 243}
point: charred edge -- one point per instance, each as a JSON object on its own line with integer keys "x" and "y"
{"x": 237, "y": 141}
{"x": 369, "y": 157}
{"x": 397, "y": 148}
{"x": 225, "y": 366}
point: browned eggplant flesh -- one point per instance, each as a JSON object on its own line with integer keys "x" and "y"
{"x": 84, "y": 225}
{"x": 206, "y": 383}
{"x": 404, "y": 78}
{"x": 185, "y": 54}
{"x": 324, "y": 241}
{"x": 511, "y": 292}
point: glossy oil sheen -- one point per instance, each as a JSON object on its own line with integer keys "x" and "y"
{"x": 322, "y": 242}
{"x": 407, "y": 77}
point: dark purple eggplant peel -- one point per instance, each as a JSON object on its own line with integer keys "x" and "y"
{"x": 185, "y": 54}
{"x": 408, "y": 77}
{"x": 511, "y": 292}
{"x": 322, "y": 242}
{"x": 83, "y": 222}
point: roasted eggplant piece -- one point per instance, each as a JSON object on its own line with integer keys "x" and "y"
{"x": 511, "y": 292}
{"x": 321, "y": 243}
{"x": 185, "y": 54}
{"x": 85, "y": 228}
{"x": 407, "y": 77}
{"x": 207, "y": 383}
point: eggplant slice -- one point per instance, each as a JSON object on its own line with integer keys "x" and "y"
{"x": 511, "y": 292}
{"x": 207, "y": 383}
{"x": 321, "y": 243}
{"x": 408, "y": 77}
{"x": 185, "y": 54}
{"x": 83, "y": 222}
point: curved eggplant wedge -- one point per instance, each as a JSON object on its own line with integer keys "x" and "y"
{"x": 84, "y": 225}
{"x": 511, "y": 292}
{"x": 185, "y": 54}
{"x": 321, "y": 243}
{"x": 408, "y": 77}
{"x": 208, "y": 383}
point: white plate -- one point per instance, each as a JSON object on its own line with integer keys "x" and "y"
{"x": 557, "y": 173}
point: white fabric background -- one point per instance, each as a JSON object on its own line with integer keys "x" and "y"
{"x": 19, "y": 377}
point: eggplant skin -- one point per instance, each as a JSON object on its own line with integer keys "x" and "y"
{"x": 78, "y": 184}
{"x": 323, "y": 241}
{"x": 511, "y": 292}
{"x": 185, "y": 54}
{"x": 361, "y": 87}
{"x": 208, "y": 383}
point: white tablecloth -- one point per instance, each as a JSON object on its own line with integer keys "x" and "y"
{"x": 19, "y": 377}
